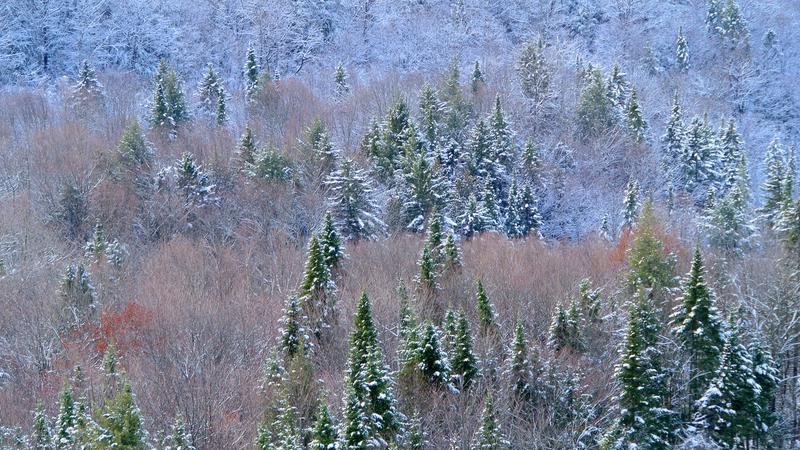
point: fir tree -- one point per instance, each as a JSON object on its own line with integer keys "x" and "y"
{"x": 208, "y": 90}
{"x": 318, "y": 146}
{"x": 682, "y": 52}
{"x": 464, "y": 364}
{"x": 521, "y": 371}
{"x": 122, "y": 420}
{"x": 478, "y": 80}
{"x": 40, "y": 435}
{"x": 180, "y": 438}
{"x": 431, "y": 112}
{"x": 559, "y": 333}
{"x": 630, "y": 210}
{"x": 533, "y": 72}
{"x": 617, "y": 87}
{"x": 433, "y": 362}
{"x": 714, "y": 16}
{"x": 77, "y": 293}
{"x": 700, "y": 157}
{"x": 133, "y": 149}
{"x": 596, "y": 110}
{"x": 765, "y": 374}
{"x": 728, "y": 225}
{"x": 732, "y": 154}
{"x": 422, "y": 189}
{"x": 293, "y": 340}
{"x": 222, "y": 110}
{"x": 87, "y": 91}
{"x": 63, "y": 437}
{"x": 251, "y": 71}
{"x": 356, "y": 432}
{"x": 415, "y": 440}
{"x": 651, "y": 267}
{"x": 485, "y": 309}
{"x": 246, "y": 150}
{"x": 774, "y": 187}
{"x": 351, "y": 202}
{"x": 97, "y": 246}
{"x": 636, "y": 123}
{"x": 451, "y": 254}
{"x": 528, "y": 217}
{"x": 501, "y": 140}
{"x": 323, "y": 435}
{"x": 457, "y": 111}
{"x": 475, "y": 219}
{"x": 791, "y": 236}
{"x": 697, "y": 325}
{"x": 340, "y": 82}
{"x": 512, "y": 228}
{"x": 428, "y": 271}
{"x": 331, "y": 243}
{"x": 168, "y": 109}
{"x": 408, "y": 332}
{"x": 674, "y": 138}
{"x": 532, "y": 162}
{"x": 490, "y": 436}
{"x": 731, "y": 24}
{"x": 316, "y": 288}
{"x": 644, "y": 422}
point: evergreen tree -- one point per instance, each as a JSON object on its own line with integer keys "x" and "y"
{"x": 697, "y": 325}
{"x": 464, "y": 363}
{"x": 449, "y": 331}
{"x": 457, "y": 111}
{"x": 559, "y": 333}
{"x": 64, "y": 433}
{"x": 431, "y": 112}
{"x": 356, "y": 431}
{"x": 512, "y": 228}
{"x": 533, "y": 72}
{"x": 523, "y": 370}
{"x": 40, "y": 435}
{"x": 428, "y": 271}
{"x": 575, "y": 321}
{"x": 271, "y": 165}
{"x": 421, "y": 189}
{"x": 133, "y": 149}
{"x": 122, "y": 421}
{"x": 728, "y": 410}
{"x": 318, "y": 146}
{"x": 251, "y": 71}
{"x": 77, "y": 293}
{"x": 674, "y": 138}
{"x": 293, "y": 340}
{"x": 714, "y": 16}
{"x": 316, "y": 288}
{"x": 475, "y": 219}
{"x": 87, "y": 91}
{"x": 283, "y": 432}
{"x": 451, "y": 254}
{"x": 636, "y": 123}
{"x": 433, "y": 362}
{"x": 331, "y": 243}
{"x": 644, "y": 422}
{"x": 415, "y": 440}
{"x": 528, "y": 217}
{"x": 682, "y": 52}
{"x": 605, "y": 229}
{"x": 774, "y": 184}
{"x": 791, "y": 235}
{"x": 651, "y": 267}
{"x": 247, "y": 149}
{"x": 731, "y": 24}
{"x": 485, "y": 309}
{"x": 96, "y": 247}
{"x": 340, "y": 82}
{"x": 728, "y": 225}
{"x": 765, "y": 374}
{"x": 323, "y": 435}
{"x": 630, "y": 210}
{"x": 732, "y": 154}
{"x": 501, "y": 140}
{"x": 351, "y": 202}
{"x": 208, "y": 90}
{"x": 700, "y": 157}
{"x": 168, "y": 109}
{"x": 532, "y": 162}
{"x": 618, "y": 87}
{"x": 222, "y": 110}
{"x": 408, "y": 332}
{"x": 596, "y": 110}
{"x": 478, "y": 80}
{"x": 490, "y": 436}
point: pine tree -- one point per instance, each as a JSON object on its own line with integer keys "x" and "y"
{"x": 251, "y": 71}
{"x": 478, "y": 80}
{"x": 323, "y": 435}
{"x": 433, "y": 362}
{"x": 728, "y": 410}
{"x": 122, "y": 420}
{"x": 247, "y": 149}
{"x": 464, "y": 366}
{"x": 351, "y": 202}
{"x": 774, "y": 187}
{"x": 644, "y": 422}
{"x": 696, "y": 323}
{"x": 40, "y": 435}
{"x": 340, "y": 82}
{"x": 636, "y": 123}
{"x": 485, "y": 309}
{"x": 222, "y": 110}
{"x": 630, "y": 210}
{"x": 533, "y": 72}
{"x": 87, "y": 91}
{"x": 316, "y": 288}
{"x": 682, "y": 52}
{"x": 490, "y": 436}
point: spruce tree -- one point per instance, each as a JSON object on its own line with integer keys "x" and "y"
{"x": 674, "y": 138}
{"x": 636, "y": 123}
{"x": 774, "y": 184}
{"x": 293, "y": 340}
{"x": 221, "y": 110}
{"x": 40, "y": 437}
{"x": 341, "y": 88}
{"x": 87, "y": 91}
{"x": 596, "y": 110}
{"x": 630, "y": 210}
{"x": 728, "y": 225}
{"x": 474, "y": 219}
{"x": 478, "y": 79}
{"x": 246, "y": 150}
{"x": 352, "y": 206}
{"x": 523, "y": 370}
{"x": 765, "y": 374}
{"x": 485, "y": 309}
{"x": 618, "y": 87}
{"x": 464, "y": 364}
{"x": 433, "y": 363}
{"x": 458, "y": 110}
{"x": 528, "y": 218}
{"x": 133, "y": 149}
{"x": 428, "y": 271}
{"x": 208, "y": 90}
{"x": 64, "y": 433}
{"x": 791, "y": 236}
{"x": 77, "y": 293}
{"x": 651, "y": 267}
{"x": 283, "y": 430}
{"x": 682, "y": 52}
{"x": 490, "y": 436}
{"x": 96, "y": 247}
{"x": 251, "y": 71}
{"x": 122, "y": 421}
{"x": 732, "y": 154}
{"x": 317, "y": 145}
{"x": 316, "y": 289}
{"x": 558, "y": 337}
{"x": 512, "y": 225}
{"x": 421, "y": 189}
{"x": 356, "y": 431}
{"x": 323, "y": 435}
{"x": 696, "y": 323}
{"x": 408, "y": 332}
{"x": 331, "y": 243}
{"x": 501, "y": 140}
{"x": 533, "y": 72}
{"x": 431, "y": 112}
{"x": 732, "y": 26}
{"x": 451, "y": 254}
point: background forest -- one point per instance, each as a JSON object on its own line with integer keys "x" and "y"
{"x": 460, "y": 224}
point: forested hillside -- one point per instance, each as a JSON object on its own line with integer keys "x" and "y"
{"x": 344, "y": 224}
